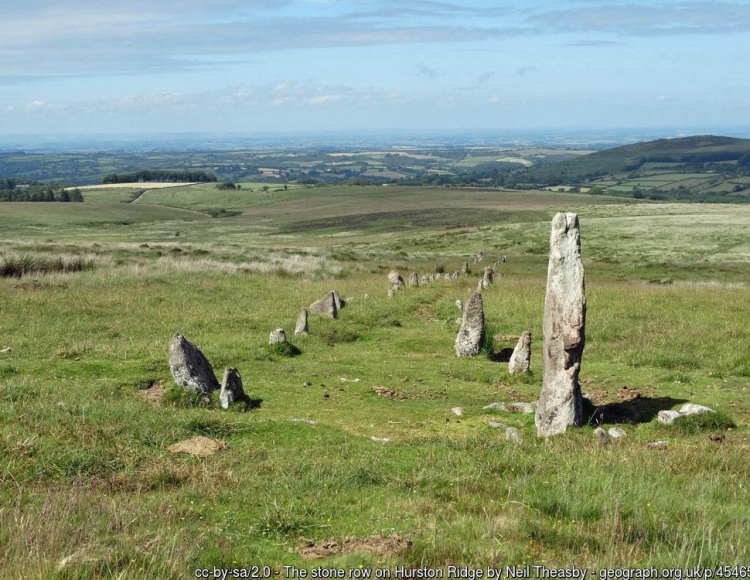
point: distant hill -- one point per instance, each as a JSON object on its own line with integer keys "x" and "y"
{"x": 693, "y": 152}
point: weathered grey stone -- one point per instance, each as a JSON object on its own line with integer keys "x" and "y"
{"x": 601, "y": 434}
{"x": 692, "y": 409}
{"x": 438, "y": 275}
{"x": 465, "y": 268}
{"x": 277, "y": 336}
{"x": 457, "y": 411}
{"x": 391, "y": 293}
{"x": 520, "y": 360}
{"x": 496, "y": 406}
{"x": 471, "y": 333}
{"x": 454, "y": 276}
{"x": 413, "y": 279}
{"x": 325, "y": 306}
{"x": 367, "y": 296}
{"x": 337, "y": 299}
{"x": 395, "y": 279}
{"x": 425, "y": 278}
{"x": 560, "y": 403}
{"x": 657, "y": 444}
{"x": 487, "y": 277}
{"x": 480, "y": 285}
{"x": 301, "y": 326}
{"x": 667, "y": 417}
{"x": 460, "y": 306}
{"x": 480, "y": 255}
{"x": 496, "y": 425}
{"x": 513, "y": 435}
{"x": 526, "y": 408}
{"x": 231, "y": 388}
{"x": 616, "y": 432}
{"x": 190, "y": 368}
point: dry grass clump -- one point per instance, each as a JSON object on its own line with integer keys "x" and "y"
{"x": 18, "y": 265}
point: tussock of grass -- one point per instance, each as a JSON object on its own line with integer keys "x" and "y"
{"x": 182, "y": 398}
{"x": 700, "y": 422}
{"x": 27, "y": 264}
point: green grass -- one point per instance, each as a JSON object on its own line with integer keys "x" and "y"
{"x": 86, "y": 469}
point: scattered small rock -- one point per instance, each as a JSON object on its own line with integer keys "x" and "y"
{"x": 495, "y": 425}
{"x": 513, "y": 435}
{"x": 303, "y": 420}
{"x": 523, "y": 407}
{"x": 667, "y": 417}
{"x": 616, "y": 432}
{"x": 5, "y": 350}
{"x": 307, "y": 384}
{"x": 381, "y": 439}
{"x": 691, "y": 409}
{"x": 457, "y": 411}
{"x": 496, "y": 406}
{"x": 716, "y": 437}
{"x": 657, "y": 444}
{"x": 601, "y": 434}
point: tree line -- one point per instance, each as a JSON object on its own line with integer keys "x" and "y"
{"x": 17, "y": 190}
{"x": 161, "y": 175}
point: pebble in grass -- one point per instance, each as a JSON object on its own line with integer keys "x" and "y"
{"x": 602, "y": 435}
{"x": 616, "y": 432}
{"x": 513, "y": 435}
{"x": 190, "y": 368}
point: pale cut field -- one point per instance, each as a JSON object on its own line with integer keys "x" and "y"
{"x": 135, "y": 184}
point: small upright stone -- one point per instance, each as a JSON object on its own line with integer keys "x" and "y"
{"x": 465, "y": 268}
{"x": 520, "y": 360}
{"x": 190, "y": 368}
{"x": 471, "y": 333}
{"x": 391, "y": 293}
{"x": 438, "y": 275}
{"x": 460, "y": 306}
{"x": 513, "y": 435}
{"x": 413, "y": 279}
{"x": 337, "y": 299}
{"x": 277, "y": 336}
{"x": 487, "y": 277}
{"x": 325, "y": 306}
{"x": 602, "y": 435}
{"x": 231, "y": 388}
{"x": 395, "y": 279}
{"x": 301, "y": 326}
{"x": 480, "y": 256}
{"x": 560, "y": 403}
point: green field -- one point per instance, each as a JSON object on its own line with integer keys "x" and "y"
{"x": 89, "y": 489}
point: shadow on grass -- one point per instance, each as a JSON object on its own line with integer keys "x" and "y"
{"x": 638, "y": 410}
{"x": 502, "y": 355}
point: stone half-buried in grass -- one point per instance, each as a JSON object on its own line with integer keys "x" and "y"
{"x": 231, "y": 388}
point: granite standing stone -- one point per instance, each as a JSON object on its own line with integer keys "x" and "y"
{"x": 277, "y": 336}
{"x": 301, "y": 326}
{"x": 325, "y": 306}
{"x": 395, "y": 279}
{"x": 560, "y": 403}
{"x": 231, "y": 388}
{"x": 190, "y": 368}
{"x": 520, "y": 360}
{"x": 413, "y": 279}
{"x": 471, "y": 333}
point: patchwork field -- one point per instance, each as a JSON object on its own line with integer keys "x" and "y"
{"x": 348, "y": 455}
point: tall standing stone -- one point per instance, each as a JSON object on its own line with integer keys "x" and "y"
{"x": 301, "y": 326}
{"x": 471, "y": 333}
{"x": 231, "y": 388}
{"x": 325, "y": 306}
{"x": 520, "y": 360}
{"x": 337, "y": 299}
{"x": 414, "y": 279}
{"x": 190, "y": 368}
{"x": 561, "y": 404}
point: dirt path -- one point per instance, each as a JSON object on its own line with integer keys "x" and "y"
{"x": 139, "y": 196}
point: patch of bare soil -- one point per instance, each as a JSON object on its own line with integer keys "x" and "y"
{"x": 154, "y": 393}
{"x": 199, "y": 445}
{"x": 377, "y": 545}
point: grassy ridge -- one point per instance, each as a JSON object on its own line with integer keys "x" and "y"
{"x": 86, "y": 471}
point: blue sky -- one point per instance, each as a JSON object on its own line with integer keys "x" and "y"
{"x": 141, "y": 66}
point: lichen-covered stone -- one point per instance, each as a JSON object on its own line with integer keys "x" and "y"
{"x": 190, "y": 368}
{"x": 560, "y": 403}
{"x": 471, "y": 333}
{"x": 325, "y": 306}
{"x": 277, "y": 336}
{"x": 301, "y": 326}
{"x": 520, "y": 360}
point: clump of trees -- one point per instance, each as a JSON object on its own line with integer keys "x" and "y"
{"x": 17, "y": 190}
{"x": 161, "y": 175}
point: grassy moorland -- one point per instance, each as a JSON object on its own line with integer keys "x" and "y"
{"x": 88, "y": 410}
